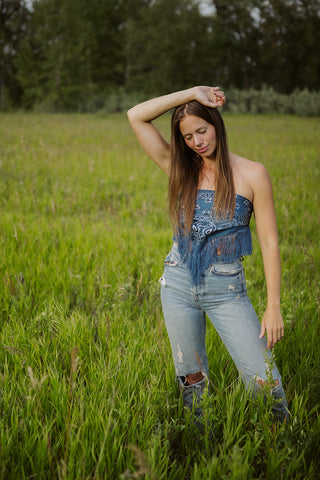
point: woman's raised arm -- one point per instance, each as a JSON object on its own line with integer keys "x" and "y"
{"x": 142, "y": 115}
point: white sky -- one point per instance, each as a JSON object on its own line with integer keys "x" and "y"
{"x": 207, "y": 7}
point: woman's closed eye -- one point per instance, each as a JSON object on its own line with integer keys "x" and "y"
{"x": 201, "y": 131}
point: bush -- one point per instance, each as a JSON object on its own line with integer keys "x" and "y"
{"x": 306, "y": 103}
{"x": 116, "y": 101}
{"x": 267, "y": 100}
{"x": 5, "y": 100}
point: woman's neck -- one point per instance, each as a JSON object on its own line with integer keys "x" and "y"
{"x": 207, "y": 175}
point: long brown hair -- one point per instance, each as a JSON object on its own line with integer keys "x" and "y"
{"x": 186, "y": 166}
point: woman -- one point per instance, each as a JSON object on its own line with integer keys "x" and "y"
{"x": 212, "y": 194}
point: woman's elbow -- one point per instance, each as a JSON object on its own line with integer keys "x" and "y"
{"x": 130, "y": 114}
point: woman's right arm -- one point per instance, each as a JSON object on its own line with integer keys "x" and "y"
{"x": 141, "y": 116}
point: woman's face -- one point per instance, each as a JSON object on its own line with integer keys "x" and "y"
{"x": 199, "y": 135}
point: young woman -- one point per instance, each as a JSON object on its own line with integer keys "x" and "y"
{"x": 212, "y": 194}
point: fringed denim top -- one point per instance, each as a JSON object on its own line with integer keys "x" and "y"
{"x": 215, "y": 240}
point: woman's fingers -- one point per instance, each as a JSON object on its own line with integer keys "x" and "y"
{"x": 274, "y": 337}
{"x": 210, "y": 96}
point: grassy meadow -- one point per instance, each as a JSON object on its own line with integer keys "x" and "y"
{"x": 87, "y": 384}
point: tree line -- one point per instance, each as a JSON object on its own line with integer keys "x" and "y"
{"x": 72, "y": 54}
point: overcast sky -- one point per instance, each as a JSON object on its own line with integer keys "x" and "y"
{"x": 206, "y": 7}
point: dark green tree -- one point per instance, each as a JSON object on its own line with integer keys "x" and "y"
{"x": 13, "y": 19}
{"x": 70, "y": 54}
{"x": 52, "y": 61}
{"x": 271, "y": 42}
{"x": 290, "y": 44}
{"x": 105, "y": 42}
{"x": 234, "y": 41}
{"x": 166, "y": 46}
{"x": 73, "y": 51}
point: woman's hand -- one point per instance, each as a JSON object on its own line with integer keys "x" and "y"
{"x": 209, "y": 96}
{"x": 272, "y": 324}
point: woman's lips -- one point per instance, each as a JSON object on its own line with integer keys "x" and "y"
{"x": 203, "y": 149}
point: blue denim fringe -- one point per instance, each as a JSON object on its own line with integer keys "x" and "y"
{"x": 224, "y": 247}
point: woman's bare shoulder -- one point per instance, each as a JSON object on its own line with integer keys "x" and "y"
{"x": 247, "y": 168}
{"x": 247, "y": 175}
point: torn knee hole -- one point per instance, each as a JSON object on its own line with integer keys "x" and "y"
{"x": 193, "y": 378}
{"x": 273, "y": 384}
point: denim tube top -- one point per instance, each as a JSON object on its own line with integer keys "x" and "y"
{"x": 212, "y": 240}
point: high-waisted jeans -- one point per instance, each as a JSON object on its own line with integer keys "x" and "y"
{"x": 222, "y": 295}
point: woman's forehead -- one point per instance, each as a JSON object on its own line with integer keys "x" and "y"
{"x": 190, "y": 123}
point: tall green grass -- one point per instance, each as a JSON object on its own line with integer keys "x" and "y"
{"x": 87, "y": 388}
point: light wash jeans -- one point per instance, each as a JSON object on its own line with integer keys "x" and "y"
{"x": 222, "y": 295}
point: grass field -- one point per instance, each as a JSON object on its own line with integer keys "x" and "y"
{"x": 87, "y": 388}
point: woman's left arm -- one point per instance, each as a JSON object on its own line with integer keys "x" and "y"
{"x": 266, "y": 225}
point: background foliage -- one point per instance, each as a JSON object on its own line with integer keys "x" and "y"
{"x": 77, "y": 55}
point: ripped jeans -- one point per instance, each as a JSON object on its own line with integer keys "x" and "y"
{"x": 222, "y": 295}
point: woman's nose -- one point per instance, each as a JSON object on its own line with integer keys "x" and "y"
{"x": 198, "y": 140}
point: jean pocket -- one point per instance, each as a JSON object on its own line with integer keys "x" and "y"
{"x": 173, "y": 258}
{"x": 227, "y": 269}
{"x": 171, "y": 263}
